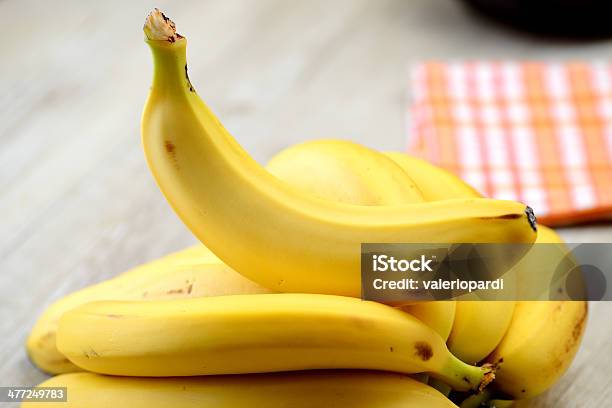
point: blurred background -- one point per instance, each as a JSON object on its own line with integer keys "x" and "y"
{"x": 78, "y": 203}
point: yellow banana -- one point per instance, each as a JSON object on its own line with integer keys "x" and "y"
{"x": 540, "y": 344}
{"x": 345, "y": 172}
{"x": 338, "y": 389}
{"x": 478, "y": 325}
{"x": 193, "y": 272}
{"x": 256, "y": 333}
{"x": 541, "y": 341}
{"x": 272, "y": 233}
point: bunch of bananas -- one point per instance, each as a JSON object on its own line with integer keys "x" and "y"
{"x": 275, "y": 298}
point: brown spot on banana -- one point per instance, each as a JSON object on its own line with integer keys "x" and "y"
{"x": 171, "y": 150}
{"x": 90, "y": 353}
{"x": 423, "y": 350}
{"x": 580, "y": 322}
{"x": 170, "y": 147}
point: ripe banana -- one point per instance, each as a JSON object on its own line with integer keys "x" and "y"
{"x": 274, "y": 234}
{"x": 540, "y": 344}
{"x": 542, "y": 339}
{"x": 478, "y": 325}
{"x": 256, "y": 333}
{"x": 338, "y": 389}
{"x": 193, "y": 272}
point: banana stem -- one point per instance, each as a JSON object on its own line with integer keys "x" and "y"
{"x": 170, "y": 56}
{"x": 158, "y": 27}
{"x": 461, "y": 376}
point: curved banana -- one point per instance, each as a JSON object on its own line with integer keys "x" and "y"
{"x": 272, "y": 233}
{"x": 193, "y": 272}
{"x": 345, "y": 172}
{"x": 538, "y": 348}
{"x": 338, "y": 389}
{"x": 542, "y": 339}
{"x": 478, "y": 325}
{"x": 256, "y": 333}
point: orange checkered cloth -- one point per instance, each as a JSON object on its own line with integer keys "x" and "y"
{"x": 539, "y": 133}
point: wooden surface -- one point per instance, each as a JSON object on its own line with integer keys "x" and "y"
{"x": 78, "y": 203}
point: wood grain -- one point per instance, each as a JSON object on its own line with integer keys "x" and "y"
{"x": 78, "y": 204}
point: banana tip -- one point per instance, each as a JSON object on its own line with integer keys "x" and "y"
{"x": 531, "y": 218}
{"x": 158, "y": 27}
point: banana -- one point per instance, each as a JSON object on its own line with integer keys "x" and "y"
{"x": 542, "y": 339}
{"x": 275, "y": 234}
{"x": 538, "y": 348}
{"x": 257, "y": 333}
{"x": 338, "y": 389}
{"x": 193, "y": 272}
{"x": 478, "y": 325}
{"x": 345, "y": 172}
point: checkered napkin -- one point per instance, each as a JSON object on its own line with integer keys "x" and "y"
{"x": 539, "y": 133}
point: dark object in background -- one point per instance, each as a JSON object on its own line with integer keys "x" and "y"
{"x": 560, "y": 18}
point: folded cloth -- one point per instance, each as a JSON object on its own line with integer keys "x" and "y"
{"x": 539, "y": 133}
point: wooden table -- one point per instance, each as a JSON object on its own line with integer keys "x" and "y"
{"x": 78, "y": 203}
